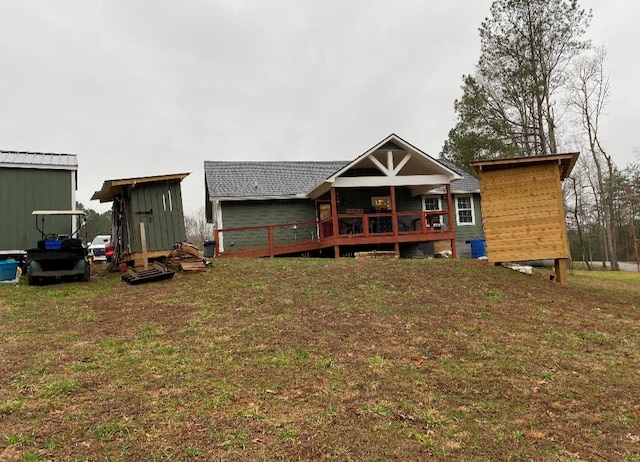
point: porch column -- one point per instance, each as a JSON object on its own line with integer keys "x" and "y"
{"x": 394, "y": 218}
{"x": 334, "y": 221}
{"x": 452, "y": 229}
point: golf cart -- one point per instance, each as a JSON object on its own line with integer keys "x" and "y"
{"x": 58, "y": 257}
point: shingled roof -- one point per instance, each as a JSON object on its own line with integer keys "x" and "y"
{"x": 266, "y": 179}
{"x": 468, "y": 183}
{"x": 289, "y": 179}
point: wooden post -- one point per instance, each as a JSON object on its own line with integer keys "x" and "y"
{"x": 334, "y": 220}
{"x": 394, "y": 212}
{"x": 561, "y": 271}
{"x": 143, "y": 242}
{"x": 271, "y": 243}
{"x": 452, "y": 229}
{"x": 216, "y": 237}
{"x": 394, "y": 219}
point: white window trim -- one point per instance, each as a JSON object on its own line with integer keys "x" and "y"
{"x": 473, "y": 212}
{"x": 424, "y": 207}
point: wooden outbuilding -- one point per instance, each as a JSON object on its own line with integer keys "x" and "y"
{"x": 523, "y": 210}
{"x": 148, "y": 218}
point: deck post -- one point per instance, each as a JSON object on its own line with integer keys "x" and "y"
{"x": 334, "y": 220}
{"x": 454, "y": 253}
{"x": 394, "y": 219}
{"x": 270, "y": 239}
{"x": 394, "y": 211}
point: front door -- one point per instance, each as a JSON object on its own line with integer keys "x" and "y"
{"x": 325, "y": 228}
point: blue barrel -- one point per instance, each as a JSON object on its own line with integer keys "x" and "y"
{"x": 478, "y": 248}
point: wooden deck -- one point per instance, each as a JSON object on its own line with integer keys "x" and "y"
{"x": 350, "y": 230}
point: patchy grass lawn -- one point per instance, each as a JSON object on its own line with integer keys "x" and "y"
{"x": 300, "y": 359}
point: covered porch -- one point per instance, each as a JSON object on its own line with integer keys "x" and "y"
{"x": 340, "y": 231}
{"x": 374, "y": 202}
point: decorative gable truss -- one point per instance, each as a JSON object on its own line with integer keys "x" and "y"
{"x": 393, "y": 162}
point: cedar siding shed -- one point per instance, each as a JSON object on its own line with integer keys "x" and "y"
{"x": 34, "y": 181}
{"x": 154, "y": 201}
{"x": 523, "y": 209}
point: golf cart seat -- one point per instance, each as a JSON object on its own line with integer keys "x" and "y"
{"x": 71, "y": 243}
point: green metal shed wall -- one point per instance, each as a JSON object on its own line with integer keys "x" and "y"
{"x": 23, "y": 190}
{"x": 159, "y": 206}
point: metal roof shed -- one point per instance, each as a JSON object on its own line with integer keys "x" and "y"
{"x": 31, "y": 181}
{"x": 147, "y": 211}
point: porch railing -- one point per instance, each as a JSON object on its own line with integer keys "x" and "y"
{"x": 298, "y": 237}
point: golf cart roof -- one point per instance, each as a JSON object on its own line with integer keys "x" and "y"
{"x": 58, "y": 212}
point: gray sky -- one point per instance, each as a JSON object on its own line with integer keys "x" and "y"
{"x": 151, "y": 87}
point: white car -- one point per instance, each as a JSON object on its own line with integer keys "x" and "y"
{"x": 99, "y": 246}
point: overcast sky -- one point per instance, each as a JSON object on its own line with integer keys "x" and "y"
{"x": 139, "y": 88}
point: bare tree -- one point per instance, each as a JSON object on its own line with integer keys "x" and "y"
{"x": 575, "y": 191}
{"x": 588, "y": 94}
{"x": 197, "y": 228}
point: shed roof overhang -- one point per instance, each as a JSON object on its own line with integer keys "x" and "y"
{"x": 397, "y": 163}
{"x": 114, "y": 188}
{"x": 565, "y": 163}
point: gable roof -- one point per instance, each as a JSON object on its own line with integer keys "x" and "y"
{"x": 394, "y": 157}
{"x": 42, "y": 160}
{"x": 394, "y": 143}
{"x": 298, "y": 179}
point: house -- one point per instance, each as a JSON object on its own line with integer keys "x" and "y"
{"x": 148, "y": 218}
{"x": 34, "y": 181}
{"x": 392, "y": 197}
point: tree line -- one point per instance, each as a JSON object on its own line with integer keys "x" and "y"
{"x": 540, "y": 87}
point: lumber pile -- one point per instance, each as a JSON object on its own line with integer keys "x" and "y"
{"x": 376, "y": 254}
{"x": 186, "y": 257}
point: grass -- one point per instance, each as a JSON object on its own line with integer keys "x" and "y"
{"x": 302, "y": 359}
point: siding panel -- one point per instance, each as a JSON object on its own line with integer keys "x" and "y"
{"x": 523, "y": 213}
{"x": 159, "y": 207}
{"x": 25, "y": 190}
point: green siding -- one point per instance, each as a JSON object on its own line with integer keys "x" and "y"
{"x": 272, "y": 212}
{"x": 159, "y": 206}
{"x": 467, "y": 232}
{"x": 24, "y": 190}
{"x": 405, "y": 202}
{"x": 262, "y": 213}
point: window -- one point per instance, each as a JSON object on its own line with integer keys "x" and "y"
{"x": 464, "y": 210}
{"x": 433, "y": 203}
